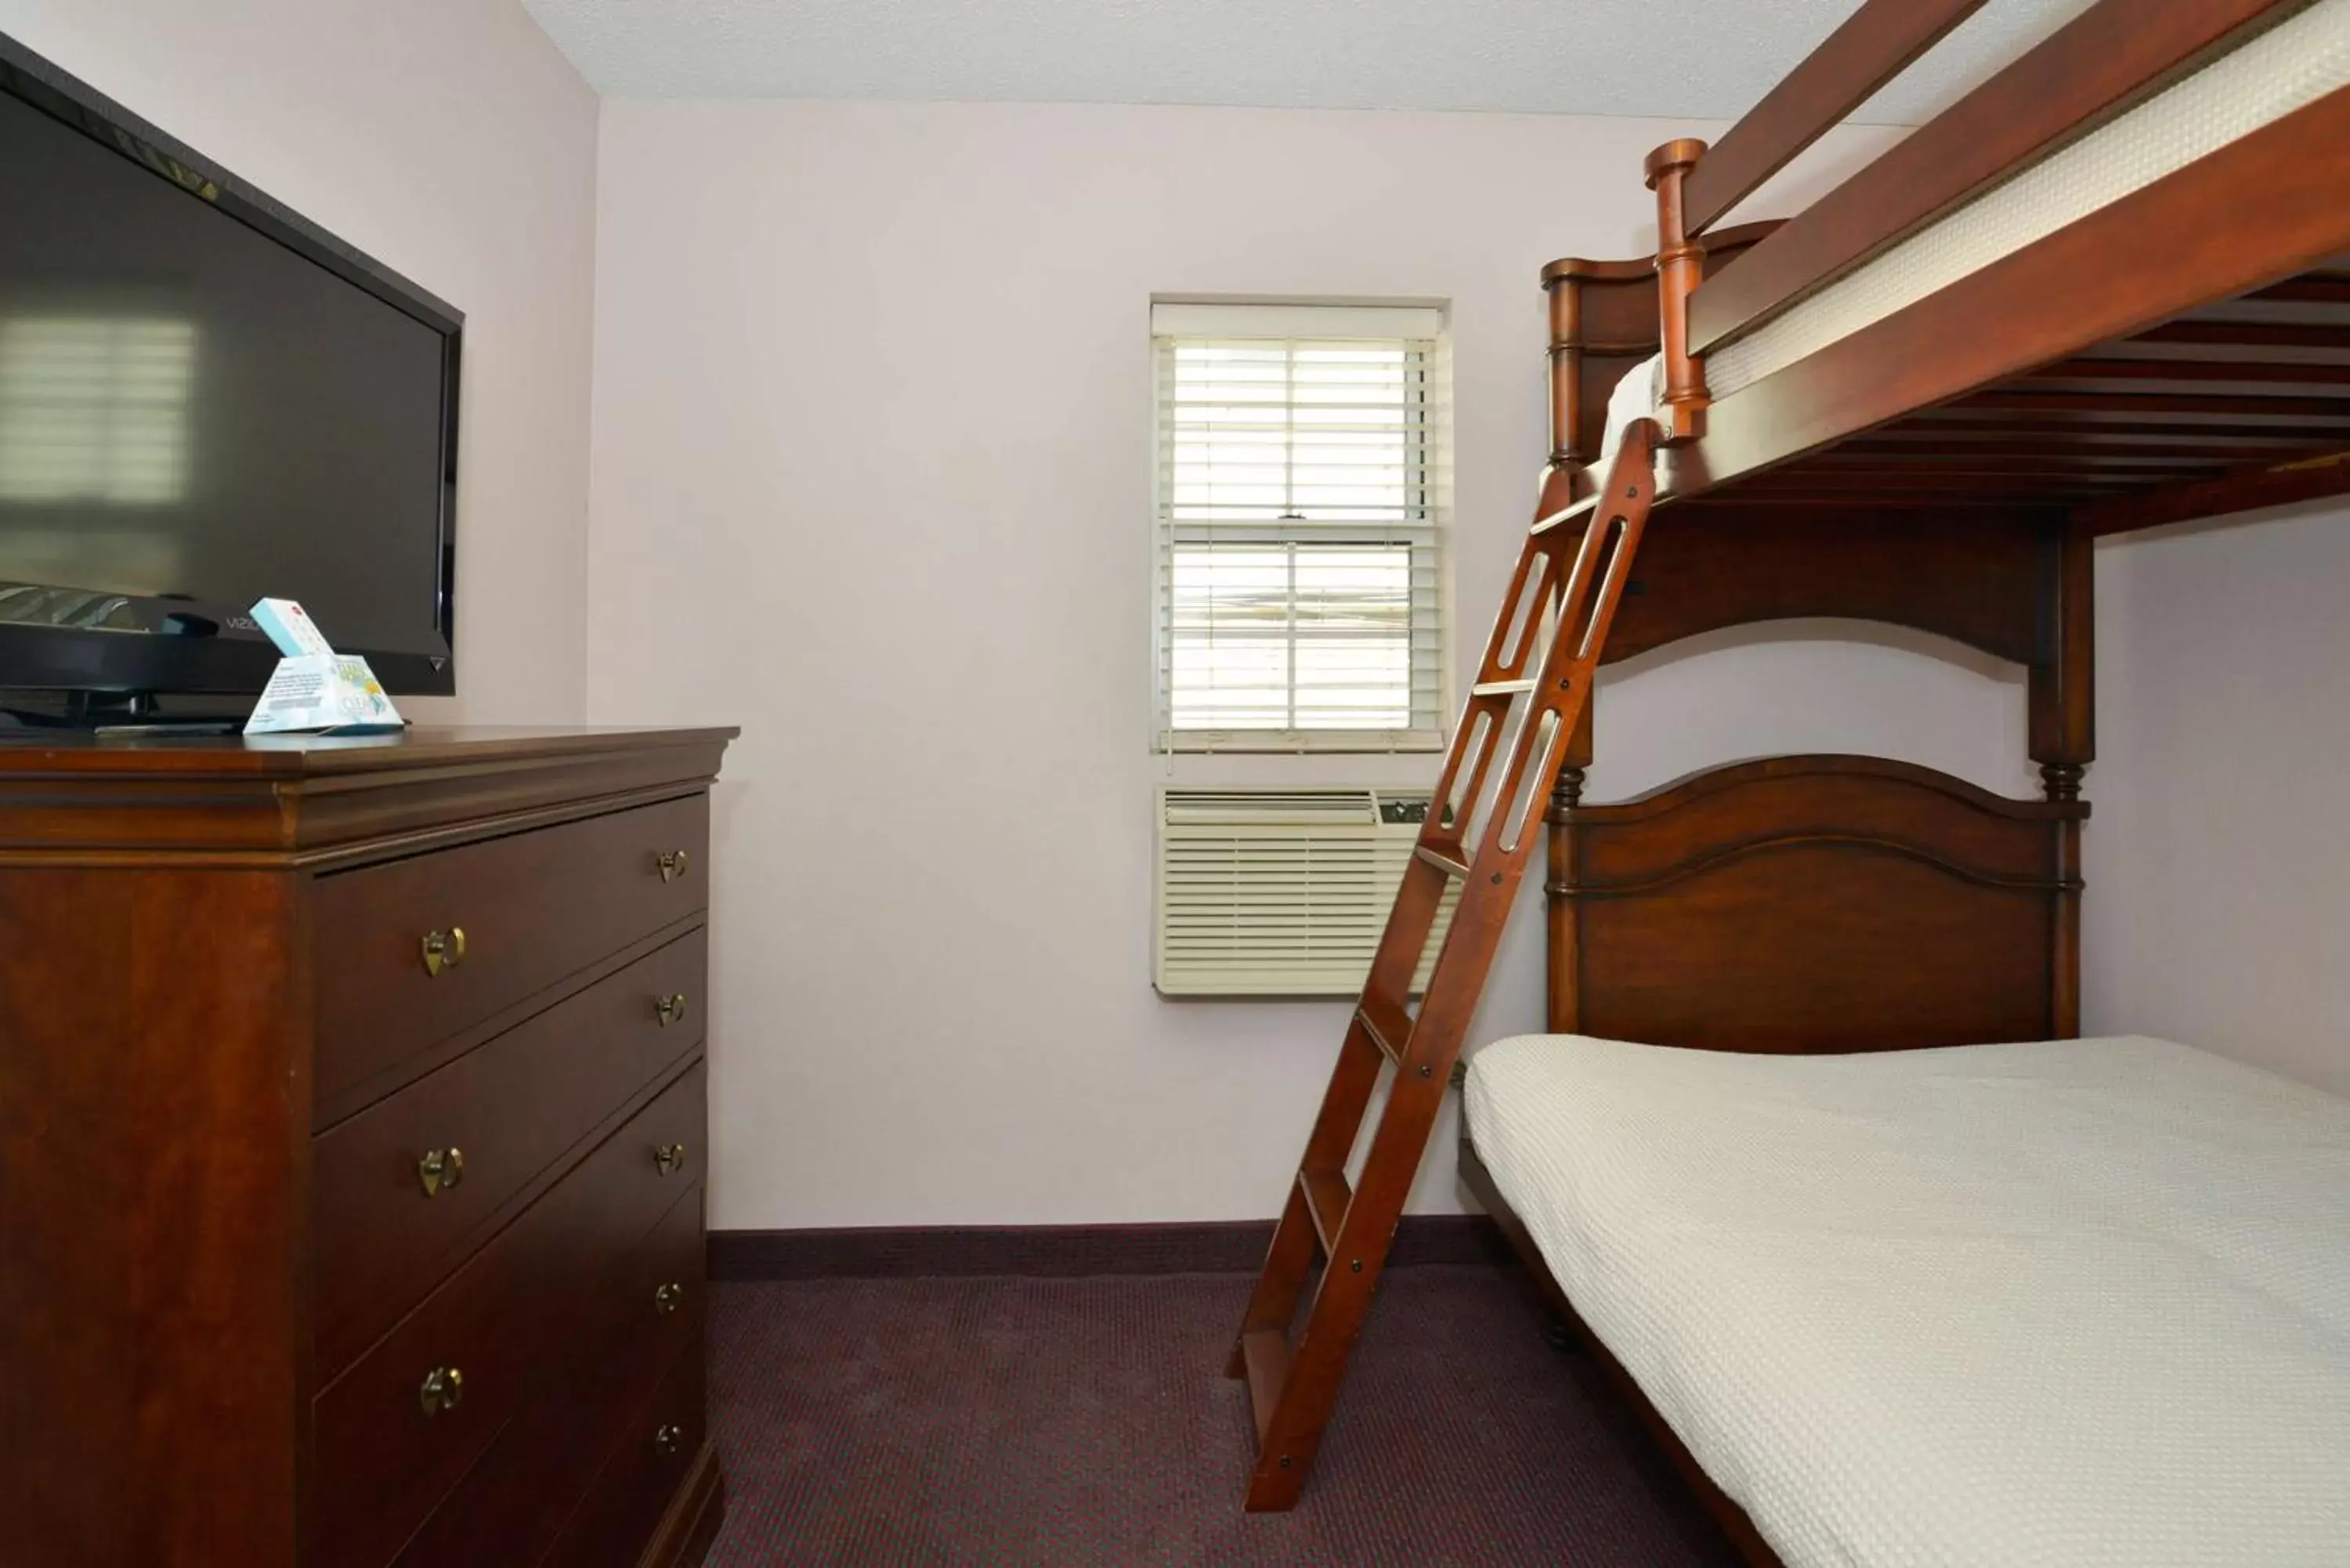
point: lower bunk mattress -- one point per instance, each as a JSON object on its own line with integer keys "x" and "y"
{"x": 2079, "y": 1302}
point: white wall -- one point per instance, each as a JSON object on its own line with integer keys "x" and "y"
{"x": 872, "y": 459}
{"x": 926, "y": 598}
{"x": 2218, "y": 856}
{"x": 448, "y": 139}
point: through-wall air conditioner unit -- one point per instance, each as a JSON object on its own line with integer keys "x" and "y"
{"x": 1281, "y": 892}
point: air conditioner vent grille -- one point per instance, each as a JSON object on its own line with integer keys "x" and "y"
{"x": 1280, "y": 892}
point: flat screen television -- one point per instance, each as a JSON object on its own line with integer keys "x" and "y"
{"x": 206, "y": 400}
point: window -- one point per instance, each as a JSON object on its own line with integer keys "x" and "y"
{"x": 1301, "y": 561}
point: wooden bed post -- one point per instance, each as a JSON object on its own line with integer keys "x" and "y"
{"x": 1680, "y": 266}
{"x": 2064, "y": 740}
{"x": 1563, "y": 280}
{"x": 1564, "y": 286}
{"x": 1564, "y": 1014}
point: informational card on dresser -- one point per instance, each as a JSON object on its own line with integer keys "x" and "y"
{"x": 314, "y": 687}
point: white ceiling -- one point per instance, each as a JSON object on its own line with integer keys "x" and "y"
{"x": 1683, "y": 59}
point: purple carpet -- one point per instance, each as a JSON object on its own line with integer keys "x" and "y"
{"x": 1009, "y": 1420}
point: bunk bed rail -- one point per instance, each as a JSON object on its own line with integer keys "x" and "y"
{"x": 2108, "y": 57}
{"x": 2108, "y": 282}
{"x": 1875, "y": 45}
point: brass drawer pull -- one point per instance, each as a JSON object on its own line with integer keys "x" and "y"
{"x": 443, "y": 949}
{"x": 670, "y": 1159}
{"x": 672, "y": 864}
{"x": 439, "y": 1170}
{"x": 444, "y": 1389}
{"x": 666, "y": 1437}
{"x": 667, "y": 1299}
{"x": 669, "y": 1009}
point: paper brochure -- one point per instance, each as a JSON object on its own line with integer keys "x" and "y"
{"x": 314, "y": 687}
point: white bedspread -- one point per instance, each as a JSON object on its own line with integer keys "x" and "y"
{"x": 2078, "y": 1302}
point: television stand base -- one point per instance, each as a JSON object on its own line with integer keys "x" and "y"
{"x": 113, "y": 715}
{"x": 149, "y": 728}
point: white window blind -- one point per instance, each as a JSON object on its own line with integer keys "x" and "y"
{"x": 1300, "y": 558}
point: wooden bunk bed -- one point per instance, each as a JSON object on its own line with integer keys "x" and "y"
{"x": 2107, "y": 290}
{"x": 2179, "y": 352}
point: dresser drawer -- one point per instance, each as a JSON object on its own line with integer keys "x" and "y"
{"x": 411, "y": 952}
{"x": 641, "y": 1325}
{"x": 402, "y": 1190}
{"x": 384, "y": 1459}
{"x": 511, "y": 1504}
{"x": 654, "y": 1444}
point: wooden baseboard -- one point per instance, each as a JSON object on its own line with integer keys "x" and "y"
{"x": 694, "y": 1515}
{"x": 1065, "y": 1251}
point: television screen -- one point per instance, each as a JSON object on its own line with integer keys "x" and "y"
{"x": 196, "y": 413}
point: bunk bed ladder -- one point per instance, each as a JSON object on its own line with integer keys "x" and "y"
{"x": 1528, "y": 699}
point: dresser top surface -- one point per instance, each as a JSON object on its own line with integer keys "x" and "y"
{"x": 82, "y": 753}
{"x": 261, "y": 800}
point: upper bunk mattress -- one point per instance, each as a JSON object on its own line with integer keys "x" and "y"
{"x": 2080, "y": 1302}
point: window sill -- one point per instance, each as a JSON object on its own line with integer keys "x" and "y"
{"x": 1316, "y": 743}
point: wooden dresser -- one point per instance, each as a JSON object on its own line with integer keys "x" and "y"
{"x": 351, "y": 1140}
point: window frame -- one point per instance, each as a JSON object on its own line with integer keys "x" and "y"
{"x": 1426, "y": 332}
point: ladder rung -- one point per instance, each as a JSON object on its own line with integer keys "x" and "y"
{"x": 1500, "y": 688}
{"x": 1442, "y": 862}
{"x": 1389, "y": 1027}
{"x": 1265, "y": 1352}
{"x": 1327, "y": 1196}
{"x": 1566, "y": 515}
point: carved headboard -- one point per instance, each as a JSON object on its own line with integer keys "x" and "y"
{"x": 1814, "y": 903}
{"x": 1837, "y": 903}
